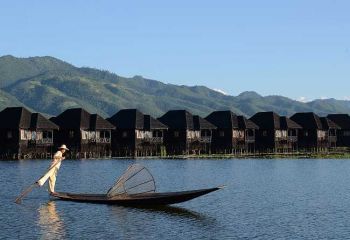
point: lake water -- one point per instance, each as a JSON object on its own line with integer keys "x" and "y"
{"x": 264, "y": 199}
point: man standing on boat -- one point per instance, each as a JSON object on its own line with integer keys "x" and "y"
{"x": 53, "y": 169}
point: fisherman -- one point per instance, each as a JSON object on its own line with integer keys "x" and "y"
{"x": 56, "y": 163}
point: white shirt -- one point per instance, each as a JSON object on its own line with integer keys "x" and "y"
{"x": 57, "y": 157}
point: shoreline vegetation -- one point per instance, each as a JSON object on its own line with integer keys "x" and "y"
{"x": 294, "y": 155}
{"x": 344, "y": 154}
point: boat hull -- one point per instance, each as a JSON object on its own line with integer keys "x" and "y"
{"x": 146, "y": 199}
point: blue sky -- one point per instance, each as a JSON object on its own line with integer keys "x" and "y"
{"x": 296, "y": 48}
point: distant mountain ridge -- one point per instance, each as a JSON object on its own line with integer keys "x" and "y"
{"x": 49, "y": 85}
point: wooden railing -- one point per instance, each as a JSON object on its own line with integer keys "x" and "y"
{"x": 206, "y": 139}
{"x": 332, "y": 138}
{"x": 153, "y": 139}
{"x": 99, "y": 140}
{"x": 44, "y": 141}
{"x": 293, "y": 138}
{"x": 250, "y": 139}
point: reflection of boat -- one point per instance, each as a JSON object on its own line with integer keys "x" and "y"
{"x": 136, "y": 187}
{"x": 142, "y": 199}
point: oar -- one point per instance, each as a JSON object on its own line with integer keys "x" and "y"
{"x": 37, "y": 183}
{"x": 25, "y": 192}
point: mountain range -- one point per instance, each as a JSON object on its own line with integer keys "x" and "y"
{"x": 49, "y": 85}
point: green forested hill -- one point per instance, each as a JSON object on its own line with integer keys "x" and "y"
{"x": 49, "y": 85}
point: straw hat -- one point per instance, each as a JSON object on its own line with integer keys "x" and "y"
{"x": 63, "y": 146}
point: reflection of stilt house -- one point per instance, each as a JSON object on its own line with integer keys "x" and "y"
{"x": 86, "y": 135}
{"x": 25, "y": 135}
{"x": 343, "y": 133}
{"x": 234, "y": 134}
{"x": 317, "y": 133}
{"x": 187, "y": 134}
{"x": 137, "y": 134}
{"x": 276, "y": 133}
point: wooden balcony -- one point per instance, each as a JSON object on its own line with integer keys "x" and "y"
{"x": 293, "y": 138}
{"x": 99, "y": 140}
{"x": 153, "y": 139}
{"x": 41, "y": 142}
{"x": 332, "y": 139}
{"x": 200, "y": 139}
{"x": 250, "y": 139}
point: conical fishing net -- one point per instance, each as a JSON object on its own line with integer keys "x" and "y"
{"x": 135, "y": 180}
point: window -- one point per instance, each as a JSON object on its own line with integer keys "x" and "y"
{"x": 92, "y": 135}
{"x": 205, "y": 133}
{"x": 332, "y": 133}
{"x": 47, "y": 134}
{"x": 71, "y": 135}
{"x": 105, "y": 134}
{"x": 221, "y": 133}
{"x": 250, "y": 133}
{"x": 264, "y": 133}
{"x": 306, "y": 133}
{"x": 321, "y": 134}
{"x": 193, "y": 134}
{"x": 176, "y": 134}
{"x": 157, "y": 133}
{"x": 292, "y": 133}
{"x": 26, "y": 134}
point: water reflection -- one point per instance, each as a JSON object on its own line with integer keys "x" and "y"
{"x": 162, "y": 211}
{"x": 50, "y": 223}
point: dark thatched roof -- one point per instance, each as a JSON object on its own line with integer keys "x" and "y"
{"x": 182, "y": 119}
{"x": 328, "y": 124}
{"x": 38, "y": 121}
{"x": 200, "y": 123}
{"x": 342, "y": 120}
{"x": 134, "y": 119}
{"x": 78, "y": 118}
{"x": 271, "y": 120}
{"x": 286, "y": 123}
{"x": 244, "y": 123}
{"x": 99, "y": 123}
{"x": 19, "y": 117}
{"x": 308, "y": 120}
{"x": 152, "y": 123}
{"x": 229, "y": 120}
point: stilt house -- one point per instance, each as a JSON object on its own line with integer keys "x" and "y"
{"x": 343, "y": 133}
{"x": 234, "y": 134}
{"x": 187, "y": 133}
{"x": 86, "y": 135}
{"x": 137, "y": 134}
{"x": 275, "y": 133}
{"x": 25, "y": 135}
{"x": 317, "y": 134}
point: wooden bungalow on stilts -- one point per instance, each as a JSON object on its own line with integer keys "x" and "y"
{"x": 137, "y": 134}
{"x": 86, "y": 135}
{"x": 275, "y": 133}
{"x": 234, "y": 134}
{"x": 187, "y": 133}
{"x": 25, "y": 135}
{"x": 317, "y": 134}
{"x": 343, "y": 133}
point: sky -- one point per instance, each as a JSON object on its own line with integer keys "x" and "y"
{"x": 295, "y": 48}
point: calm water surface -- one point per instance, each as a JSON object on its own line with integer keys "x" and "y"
{"x": 264, "y": 199}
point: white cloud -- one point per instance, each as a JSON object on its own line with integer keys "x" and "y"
{"x": 302, "y": 99}
{"x": 347, "y": 98}
{"x": 220, "y": 91}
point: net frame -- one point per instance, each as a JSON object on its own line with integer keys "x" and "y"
{"x": 120, "y": 188}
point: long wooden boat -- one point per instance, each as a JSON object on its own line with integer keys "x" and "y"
{"x": 143, "y": 199}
